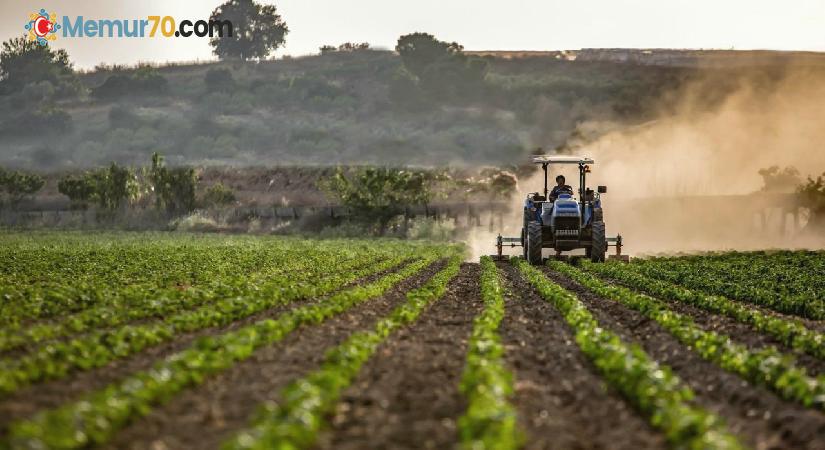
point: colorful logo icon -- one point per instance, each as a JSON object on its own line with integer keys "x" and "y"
{"x": 42, "y": 27}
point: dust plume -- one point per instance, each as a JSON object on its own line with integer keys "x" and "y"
{"x": 681, "y": 182}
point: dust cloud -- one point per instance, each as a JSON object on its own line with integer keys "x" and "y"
{"x": 688, "y": 181}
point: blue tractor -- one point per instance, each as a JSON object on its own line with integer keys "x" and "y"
{"x": 562, "y": 222}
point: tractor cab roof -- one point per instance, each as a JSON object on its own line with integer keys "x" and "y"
{"x": 560, "y": 159}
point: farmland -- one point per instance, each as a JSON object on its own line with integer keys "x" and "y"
{"x": 180, "y": 341}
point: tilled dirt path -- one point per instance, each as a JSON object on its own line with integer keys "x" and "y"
{"x": 201, "y": 418}
{"x": 25, "y": 402}
{"x": 561, "y": 400}
{"x": 757, "y": 416}
{"x": 740, "y": 332}
{"x": 407, "y": 395}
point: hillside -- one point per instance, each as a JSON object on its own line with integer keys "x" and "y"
{"x": 341, "y": 107}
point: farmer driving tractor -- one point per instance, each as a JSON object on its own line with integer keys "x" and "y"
{"x": 560, "y": 188}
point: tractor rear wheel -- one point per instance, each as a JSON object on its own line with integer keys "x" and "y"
{"x": 534, "y": 243}
{"x": 524, "y": 241}
{"x": 599, "y": 246}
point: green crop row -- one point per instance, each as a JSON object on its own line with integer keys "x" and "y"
{"x": 490, "y": 420}
{"x": 790, "y": 332}
{"x": 740, "y": 281}
{"x": 136, "y": 304}
{"x": 783, "y": 272}
{"x": 650, "y": 387}
{"x": 96, "y": 417}
{"x": 296, "y": 422}
{"x": 97, "y": 349}
{"x": 766, "y": 366}
{"x": 51, "y": 282}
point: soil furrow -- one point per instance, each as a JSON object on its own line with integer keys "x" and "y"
{"x": 407, "y": 395}
{"x": 756, "y": 415}
{"x": 205, "y": 416}
{"x": 561, "y": 400}
{"x": 25, "y": 402}
{"x": 738, "y": 331}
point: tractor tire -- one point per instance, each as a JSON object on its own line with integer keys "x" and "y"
{"x": 599, "y": 245}
{"x": 524, "y": 242}
{"x": 534, "y": 243}
{"x": 598, "y": 215}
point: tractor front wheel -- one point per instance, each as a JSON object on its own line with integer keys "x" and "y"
{"x": 599, "y": 246}
{"x": 534, "y": 243}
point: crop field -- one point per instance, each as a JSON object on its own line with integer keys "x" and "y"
{"x": 185, "y": 341}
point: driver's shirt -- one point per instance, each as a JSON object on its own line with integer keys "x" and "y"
{"x": 560, "y": 190}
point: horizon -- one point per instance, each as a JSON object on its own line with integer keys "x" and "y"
{"x": 525, "y": 27}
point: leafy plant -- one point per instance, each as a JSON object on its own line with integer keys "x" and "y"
{"x": 296, "y": 422}
{"x": 766, "y": 366}
{"x": 788, "y": 331}
{"x": 651, "y": 387}
{"x": 490, "y": 420}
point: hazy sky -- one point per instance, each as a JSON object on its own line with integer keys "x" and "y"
{"x": 477, "y": 24}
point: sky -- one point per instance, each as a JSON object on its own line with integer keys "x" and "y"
{"x": 476, "y": 24}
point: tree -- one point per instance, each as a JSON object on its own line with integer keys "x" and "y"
{"x": 109, "y": 188}
{"x": 812, "y": 196}
{"x": 19, "y": 184}
{"x": 419, "y": 51}
{"x": 257, "y": 30}
{"x": 23, "y": 61}
{"x": 379, "y": 193}
{"x": 441, "y": 68}
{"x": 776, "y": 180}
{"x": 79, "y": 189}
{"x": 174, "y": 188}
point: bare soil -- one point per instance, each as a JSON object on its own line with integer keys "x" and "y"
{"x": 561, "y": 401}
{"x": 205, "y": 416}
{"x": 50, "y": 394}
{"x": 742, "y": 333}
{"x": 407, "y": 395}
{"x": 757, "y": 416}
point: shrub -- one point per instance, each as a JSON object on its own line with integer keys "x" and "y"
{"x": 218, "y": 195}
{"x": 17, "y": 185}
{"x": 219, "y": 80}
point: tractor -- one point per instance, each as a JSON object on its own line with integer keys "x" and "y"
{"x": 564, "y": 223}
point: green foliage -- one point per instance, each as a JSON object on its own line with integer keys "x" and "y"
{"x": 766, "y": 366}
{"x": 104, "y": 411}
{"x": 788, "y": 331}
{"x": 379, "y": 193}
{"x": 346, "y": 47}
{"x": 651, "y": 387}
{"x": 219, "y": 195}
{"x": 109, "y": 188}
{"x": 441, "y": 68}
{"x": 490, "y": 419}
{"x": 786, "y": 282}
{"x": 174, "y": 188}
{"x": 218, "y": 80}
{"x": 16, "y": 185}
{"x": 296, "y": 422}
{"x": 98, "y": 348}
{"x": 146, "y": 80}
{"x": 257, "y": 30}
{"x": 79, "y": 189}
{"x": 23, "y": 61}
